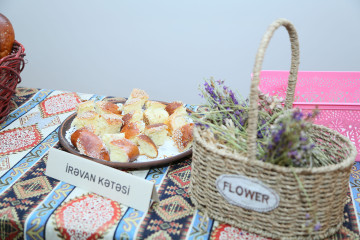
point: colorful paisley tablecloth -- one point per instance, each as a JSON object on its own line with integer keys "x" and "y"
{"x": 34, "y": 206}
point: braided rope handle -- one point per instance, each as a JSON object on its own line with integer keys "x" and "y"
{"x": 254, "y": 92}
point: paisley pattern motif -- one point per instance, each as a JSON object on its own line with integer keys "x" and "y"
{"x": 34, "y": 206}
{"x": 87, "y": 217}
{"x": 59, "y": 104}
{"x": 227, "y": 232}
{"x": 19, "y": 139}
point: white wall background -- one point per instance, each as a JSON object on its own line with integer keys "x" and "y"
{"x": 168, "y": 47}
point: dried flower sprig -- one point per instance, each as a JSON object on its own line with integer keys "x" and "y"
{"x": 226, "y": 114}
{"x": 289, "y": 143}
{"x": 283, "y": 136}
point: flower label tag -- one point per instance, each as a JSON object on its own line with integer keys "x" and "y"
{"x": 247, "y": 193}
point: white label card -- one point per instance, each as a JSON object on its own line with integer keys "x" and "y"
{"x": 247, "y": 193}
{"x": 117, "y": 185}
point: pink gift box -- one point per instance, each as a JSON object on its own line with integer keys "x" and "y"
{"x": 336, "y": 94}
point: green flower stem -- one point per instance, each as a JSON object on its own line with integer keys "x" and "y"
{"x": 302, "y": 188}
{"x": 234, "y": 119}
{"x": 228, "y": 138}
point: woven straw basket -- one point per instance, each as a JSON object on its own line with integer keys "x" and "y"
{"x": 326, "y": 186}
{"x": 10, "y": 68}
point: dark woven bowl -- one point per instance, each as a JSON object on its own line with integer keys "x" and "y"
{"x": 10, "y": 69}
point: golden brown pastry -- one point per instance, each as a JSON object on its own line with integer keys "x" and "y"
{"x": 177, "y": 120}
{"x": 157, "y": 132}
{"x": 109, "y": 123}
{"x": 144, "y": 127}
{"x": 154, "y": 105}
{"x": 107, "y": 138}
{"x": 183, "y": 137}
{"x": 139, "y": 94}
{"x": 105, "y": 107}
{"x": 7, "y": 36}
{"x": 122, "y": 150}
{"x": 155, "y": 113}
{"x": 147, "y": 146}
{"x": 89, "y": 144}
{"x": 87, "y": 119}
{"x": 133, "y": 105}
{"x": 171, "y": 107}
{"x": 133, "y": 129}
{"x": 134, "y": 116}
{"x": 87, "y": 106}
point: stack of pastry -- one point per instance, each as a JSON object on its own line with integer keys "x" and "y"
{"x": 138, "y": 127}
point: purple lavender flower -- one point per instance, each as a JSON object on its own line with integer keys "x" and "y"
{"x": 278, "y": 134}
{"x": 289, "y": 143}
{"x": 201, "y": 125}
{"x": 317, "y": 226}
{"x": 231, "y": 93}
{"x": 220, "y": 82}
{"x": 293, "y": 154}
{"x": 303, "y": 138}
{"x": 304, "y": 147}
{"x": 241, "y": 120}
{"x": 210, "y": 90}
{"x": 263, "y": 121}
{"x": 298, "y": 115}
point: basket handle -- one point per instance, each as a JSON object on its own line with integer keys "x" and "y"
{"x": 254, "y": 92}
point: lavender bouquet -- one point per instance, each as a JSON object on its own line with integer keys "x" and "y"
{"x": 282, "y": 135}
{"x": 224, "y": 116}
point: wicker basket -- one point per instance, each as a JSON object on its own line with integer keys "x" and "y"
{"x": 10, "y": 69}
{"x": 326, "y": 186}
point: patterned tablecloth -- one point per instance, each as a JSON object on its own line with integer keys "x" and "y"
{"x": 34, "y": 206}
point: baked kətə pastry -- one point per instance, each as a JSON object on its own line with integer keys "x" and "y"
{"x": 89, "y": 144}
{"x": 87, "y": 106}
{"x": 133, "y": 116}
{"x": 155, "y": 113}
{"x": 177, "y": 119}
{"x": 147, "y": 146}
{"x": 139, "y": 94}
{"x": 183, "y": 137}
{"x": 133, "y": 105}
{"x": 122, "y": 150}
{"x": 108, "y": 123}
{"x": 87, "y": 119}
{"x": 133, "y": 129}
{"x": 136, "y": 101}
{"x": 171, "y": 107}
{"x": 105, "y": 107}
{"x": 157, "y": 132}
{"x": 112, "y": 136}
